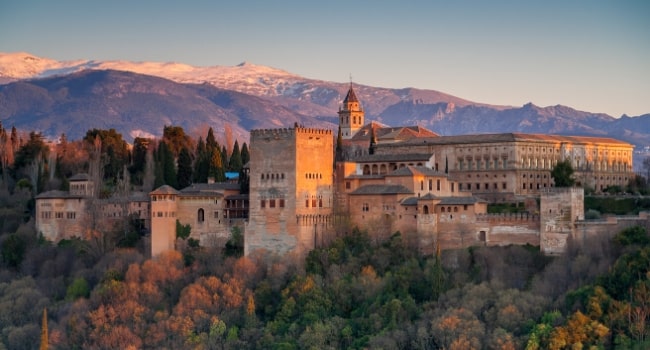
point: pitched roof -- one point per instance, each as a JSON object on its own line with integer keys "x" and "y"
{"x": 411, "y": 201}
{"x": 56, "y": 194}
{"x": 461, "y": 200}
{"x": 164, "y": 189}
{"x": 351, "y": 96}
{"x": 381, "y": 189}
{"x": 411, "y": 170}
{"x": 509, "y": 137}
{"x": 79, "y": 177}
{"x": 372, "y": 158}
{"x": 386, "y": 134}
{"x": 211, "y": 188}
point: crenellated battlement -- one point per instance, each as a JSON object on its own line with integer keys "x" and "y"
{"x": 507, "y": 217}
{"x": 556, "y": 190}
{"x": 287, "y": 132}
{"x": 261, "y": 133}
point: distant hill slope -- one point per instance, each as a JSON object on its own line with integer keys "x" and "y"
{"x": 140, "y": 97}
{"x": 134, "y": 105}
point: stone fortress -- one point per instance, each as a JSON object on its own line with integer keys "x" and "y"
{"x": 309, "y": 185}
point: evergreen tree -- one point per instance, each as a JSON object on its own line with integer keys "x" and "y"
{"x": 202, "y": 163}
{"x": 235, "y": 163}
{"x": 562, "y": 174}
{"x": 14, "y": 138}
{"x": 216, "y": 170}
{"x": 166, "y": 159}
{"x": 245, "y": 155}
{"x": 210, "y": 141}
{"x": 224, "y": 157}
{"x": 139, "y": 159}
{"x": 184, "y": 174}
{"x": 339, "y": 145}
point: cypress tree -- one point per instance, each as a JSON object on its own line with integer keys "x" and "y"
{"x": 245, "y": 155}
{"x": 168, "y": 166}
{"x": 339, "y": 145}
{"x": 202, "y": 163}
{"x": 216, "y": 166}
{"x": 184, "y": 174}
{"x": 210, "y": 141}
{"x": 235, "y": 163}
{"x": 224, "y": 157}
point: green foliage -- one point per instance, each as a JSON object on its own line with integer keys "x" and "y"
{"x": 114, "y": 151}
{"x": 235, "y": 244}
{"x": 562, "y": 174}
{"x": 592, "y": 214}
{"x": 13, "y": 249}
{"x": 617, "y": 205}
{"x": 235, "y": 162}
{"x": 497, "y": 208}
{"x": 79, "y": 288}
{"x": 632, "y": 235}
{"x": 138, "y": 165}
{"x": 167, "y": 166}
{"x": 184, "y": 175}
{"x": 183, "y": 231}
{"x": 245, "y": 155}
{"x": 33, "y": 150}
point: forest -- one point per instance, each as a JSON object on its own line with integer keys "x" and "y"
{"x": 355, "y": 293}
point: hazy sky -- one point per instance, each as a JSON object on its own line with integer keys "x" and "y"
{"x": 590, "y": 55}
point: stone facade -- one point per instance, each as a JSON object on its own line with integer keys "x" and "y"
{"x": 211, "y": 210}
{"x": 77, "y": 213}
{"x": 291, "y": 189}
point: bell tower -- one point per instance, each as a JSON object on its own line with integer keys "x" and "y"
{"x": 351, "y": 116}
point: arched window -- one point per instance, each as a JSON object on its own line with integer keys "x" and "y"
{"x": 426, "y": 209}
{"x": 200, "y": 217}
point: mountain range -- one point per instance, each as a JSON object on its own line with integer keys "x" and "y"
{"x": 139, "y": 98}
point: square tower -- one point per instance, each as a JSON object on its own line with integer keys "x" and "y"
{"x": 291, "y": 189}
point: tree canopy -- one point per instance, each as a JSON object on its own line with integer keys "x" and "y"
{"x": 562, "y": 174}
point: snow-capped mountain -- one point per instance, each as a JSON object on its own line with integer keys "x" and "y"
{"x": 61, "y": 96}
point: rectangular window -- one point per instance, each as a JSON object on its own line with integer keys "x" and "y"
{"x": 271, "y": 203}
{"x": 478, "y": 186}
{"x": 347, "y": 185}
{"x": 313, "y": 203}
{"x": 216, "y": 214}
{"x": 503, "y": 185}
{"x": 320, "y": 202}
{"x": 306, "y": 203}
{"x": 431, "y": 185}
{"x": 263, "y": 203}
{"x": 438, "y": 185}
{"x": 452, "y": 187}
{"x": 281, "y": 203}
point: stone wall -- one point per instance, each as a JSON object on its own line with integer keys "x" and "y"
{"x": 291, "y": 189}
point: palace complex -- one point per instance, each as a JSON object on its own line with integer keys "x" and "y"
{"x": 309, "y": 185}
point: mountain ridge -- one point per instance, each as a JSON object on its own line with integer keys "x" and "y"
{"x": 250, "y": 96}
